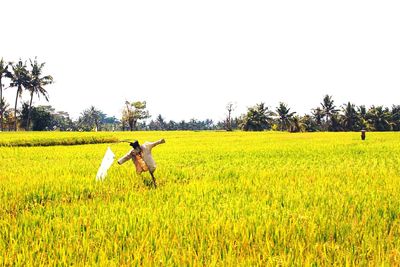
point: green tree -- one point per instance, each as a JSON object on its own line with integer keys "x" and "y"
{"x": 328, "y": 109}
{"x": 4, "y": 73}
{"x": 335, "y": 123}
{"x": 3, "y": 109}
{"x": 172, "y": 125}
{"x": 350, "y": 118}
{"x": 297, "y": 124}
{"x": 20, "y": 80}
{"x": 133, "y": 112}
{"x": 62, "y": 121}
{"x": 318, "y": 115}
{"x": 285, "y": 117}
{"x": 90, "y": 119}
{"x": 362, "y": 113}
{"x": 310, "y": 124}
{"x": 110, "y": 123}
{"x": 23, "y": 114}
{"x": 379, "y": 118}
{"x": 257, "y": 118}
{"x": 160, "y": 123}
{"x": 42, "y": 118}
{"x": 395, "y": 117}
{"x": 36, "y": 85}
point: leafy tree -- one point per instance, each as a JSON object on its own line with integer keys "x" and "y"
{"x": 318, "y": 115}
{"x": 4, "y": 73}
{"x": 335, "y": 123}
{"x": 91, "y": 119}
{"x": 42, "y": 118}
{"x": 284, "y": 116}
{"x": 36, "y": 85}
{"x": 329, "y": 109}
{"x": 62, "y": 121}
{"x": 133, "y": 112}
{"x": 296, "y": 124}
{"x": 257, "y": 118}
{"x": 8, "y": 117}
{"x": 379, "y": 118}
{"x": 19, "y": 79}
{"x": 23, "y": 114}
{"x": 350, "y": 118}
{"x": 172, "y": 126}
{"x": 160, "y": 123}
{"x": 362, "y": 114}
{"x": 3, "y": 109}
{"x": 110, "y": 123}
{"x": 310, "y": 124}
{"x": 395, "y": 117}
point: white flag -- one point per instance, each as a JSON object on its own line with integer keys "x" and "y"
{"x": 105, "y": 164}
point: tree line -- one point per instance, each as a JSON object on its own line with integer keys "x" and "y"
{"x": 325, "y": 117}
{"x": 28, "y": 78}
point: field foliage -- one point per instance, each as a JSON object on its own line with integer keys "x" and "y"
{"x": 54, "y": 138}
{"x": 223, "y": 199}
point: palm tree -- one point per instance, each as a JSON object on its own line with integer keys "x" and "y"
{"x": 284, "y": 116}
{"x": 310, "y": 124}
{"x": 395, "y": 117}
{"x": 3, "y": 73}
{"x": 20, "y": 79}
{"x": 328, "y": 109}
{"x": 318, "y": 115}
{"x": 258, "y": 118}
{"x": 160, "y": 122}
{"x": 91, "y": 119}
{"x": 36, "y": 84}
{"x": 350, "y": 118}
{"x": 379, "y": 118}
{"x": 297, "y": 124}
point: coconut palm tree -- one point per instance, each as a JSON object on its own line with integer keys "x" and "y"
{"x": 3, "y": 73}
{"x": 395, "y": 117}
{"x": 91, "y": 119}
{"x": 350, "y": 118}
{"x": 36, "y": 85}
{"x": 297, "y": 124}
{"x": 318, "y": 115}
{"x": 257, "y": 118}
{"x": 19, "y": 79}
{"x": 328, "y": 109}
{"x": 284, "y": 116}
{"x": 379, "y": 118}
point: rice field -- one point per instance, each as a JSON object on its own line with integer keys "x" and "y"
{"x": 223, "y": 198}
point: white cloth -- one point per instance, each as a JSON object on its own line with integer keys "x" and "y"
{"x": 106, "y": 163}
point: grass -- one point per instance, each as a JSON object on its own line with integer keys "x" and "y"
{"x": 54, "y": 138}
{"x": 223, "y": 199}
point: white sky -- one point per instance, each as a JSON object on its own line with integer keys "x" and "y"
{"x": 187, "y": 59}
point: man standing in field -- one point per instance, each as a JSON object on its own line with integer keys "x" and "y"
{"x": 142, "y": 158}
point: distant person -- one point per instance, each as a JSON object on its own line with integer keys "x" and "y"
{"x": 142, "y": 158}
